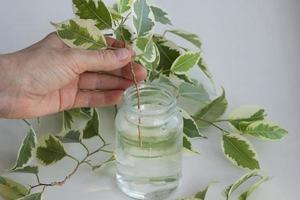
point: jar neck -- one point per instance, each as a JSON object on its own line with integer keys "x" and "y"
{"x": 157, "y": 103}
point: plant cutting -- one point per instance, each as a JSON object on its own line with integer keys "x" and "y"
{"x": 151, "y": 129}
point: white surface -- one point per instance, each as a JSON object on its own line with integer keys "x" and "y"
{"x": 253, "y": 50}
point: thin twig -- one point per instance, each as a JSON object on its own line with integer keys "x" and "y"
{"x": 213, "y": 124}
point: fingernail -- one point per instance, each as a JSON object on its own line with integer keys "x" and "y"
{"x": 122, "y": 54}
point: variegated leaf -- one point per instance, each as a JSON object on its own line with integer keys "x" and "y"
{"x": 26, "y": 150}
{"x": 142, "y": 21}
{"x": 82, "y": 34}
{"x": 160, "y": 15}
{"x": 51, "y": 151}
{"x": 11, "y": 190}
{"x": 211, "y": 111}
{"x": 193, "y": 38}
{"x": 185, "y": 62}
{"x": 124, "y": 5}
{"x": 266, "y": 130}
{"x": 94, "y": 10}
{"x": 240, "y": 151}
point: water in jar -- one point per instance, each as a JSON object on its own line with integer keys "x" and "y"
{"x": 150, "y": 169}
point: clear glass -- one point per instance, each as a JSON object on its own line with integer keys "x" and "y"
{"x": 149, "y": 168}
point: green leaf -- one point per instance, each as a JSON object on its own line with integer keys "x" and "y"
{"x": 184, "y": 78}
{"x": 73, "y": 136}
{"x": 190, "y": 128}
{"x": 94, "y": 10}
{"x": 266, "y": 130}
{"x": 124, "y": 5}
{"x": 82, "y": 34}
{"x": 230, "y": 189}
{"x": 204, "y": 69}
{"x": 168, "y": 52}
{"x": 188, "y": 145}
{"x": 26, "y": 150}
{"x": 67, "y": 120}
{"x": 193, "y": 38}
{"x": 147, "y": 51}
{"x": 124, "y": 33}
{"x": 202, "y": 194}
{"x": 26, "y": 169}
{"x": 211, "y": 111}
{"x": 11, "y": 190}
{"x": 239, "y": 150}
{"x": 35, "y": 196}
{"x": 252, "y": 188}
{"x": 160, "y": 15}
{"x": 185, "y": 62}
{"x": 195, "y": 92}
{"x": 243, "y": 116}
{"x": 116, "y": 17}
{"x": 52, "y": 152}
{"x": 141, "y": 19}
{"x": 87, "y": 111}
{"x": 92, "y": 127}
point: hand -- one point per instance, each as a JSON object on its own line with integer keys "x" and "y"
{"x": 49, "y": 77}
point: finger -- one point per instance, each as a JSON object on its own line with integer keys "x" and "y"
{"x": 98, "y": 98}
{"x": 102, "y": 60}
{"x": 115, "y": 43}
{"x": 125, "y": 72}
{"x": 96, "y": 81}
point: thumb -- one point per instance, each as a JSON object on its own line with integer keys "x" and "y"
{"x": 101, "y": 60}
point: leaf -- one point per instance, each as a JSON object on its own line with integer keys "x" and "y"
{"x": 195, "y": 92}
{"x": 124, "y": 5}
{"x": 146, "y": 48}
{"x": 26, "y": 169}
{"x": 11, "y": 190}
{"x": 52, "y": 152}
{"x": 116, "y": 17}
{"x": 87, "y": 111}
{"x": 211, "y": 111}
{"x": 266, "y": 130}
{"x": 190, "y": 128}
{"x": 154, "y": 64}
{"x": 168, "y": 52}
{"x": 185, "y": 62}
{"x": 204, "y": 68}
{"x": 35, "y": 196}
{"x": 26, "y": 150}
{"x": 193, "y": 38}
{"x": 239, "y": 150}
{"x": 67, "y": 120}
{"x": 202, "y": 194}
{"x": 123, "y": 33}
{"x": 184, "y": 78}
{"x": 92, "y": 127}
{"x": 160, "y": 15}
{"x": 73, "y": 136}
{"x": 141, "y": 19}
{"x": 243, "y": 116}
{"x": 252, "y": 188}
{"x": 77, "y": 33}
{"x": 188, "y": 145}
{"x": 94, "y": 10}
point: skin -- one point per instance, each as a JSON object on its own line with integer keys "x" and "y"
{"x": 50, "y": 77}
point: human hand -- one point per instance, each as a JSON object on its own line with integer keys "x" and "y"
{"x": 49, "y": 77}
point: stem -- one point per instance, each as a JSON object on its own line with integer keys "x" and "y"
{"x": 78, "y": 164}
{"x": 27, "y": 122}
{"x": 213, "y": 124}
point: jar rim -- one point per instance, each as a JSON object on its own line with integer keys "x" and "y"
{"x": 161, "y": 88}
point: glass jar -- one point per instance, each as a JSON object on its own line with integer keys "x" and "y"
{"x": 148, "y": 143}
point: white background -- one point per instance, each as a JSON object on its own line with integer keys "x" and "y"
{"x": 252, "y": 49}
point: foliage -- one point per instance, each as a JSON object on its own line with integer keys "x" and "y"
{"x": 167, "y": 63}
